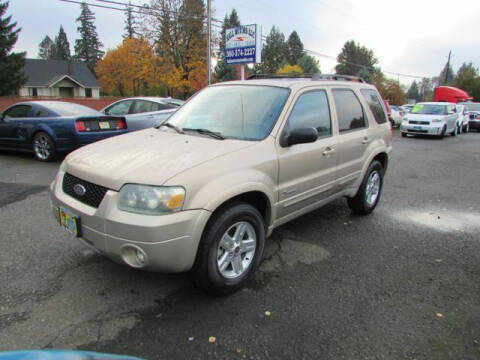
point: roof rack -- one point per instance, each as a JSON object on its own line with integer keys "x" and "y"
{"x": 314, "y": 77}
{"x": 337, "y": 77}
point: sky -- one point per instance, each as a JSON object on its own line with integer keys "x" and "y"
{"x": 410, "y": 37}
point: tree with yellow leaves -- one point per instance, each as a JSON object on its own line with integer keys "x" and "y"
{"x": 290, "y": 69}
{"x": 130, "y": 69}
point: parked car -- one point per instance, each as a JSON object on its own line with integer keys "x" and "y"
{"x": 202, "y": 191}
{"x": 397, "y": 115}
{"x": 49, "y": 128}
{"x": 389, "y": 111}
{"x": 431, "y": 118}
{"x": 473, "y": 113}
{"x": 143, "y": 112}
{"x": 462, "y": 119}
{"x": 407, "y": 108}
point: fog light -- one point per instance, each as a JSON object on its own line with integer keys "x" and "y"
{"x": 140, "y": 257}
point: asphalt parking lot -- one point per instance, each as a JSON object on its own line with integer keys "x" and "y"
{"x": 402, "y": 283}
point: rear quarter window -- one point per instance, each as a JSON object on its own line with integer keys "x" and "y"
{"x": 349, "y": 110}
{"x": 375, "y": 104}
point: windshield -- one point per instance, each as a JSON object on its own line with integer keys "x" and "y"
{"x": 242, "y": 112}
{"x": 429, "y": 109}
{"x": 70, "y": 109}
{"x": 472, "y": 107}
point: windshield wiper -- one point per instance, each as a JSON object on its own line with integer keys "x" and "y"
{"x": 213, "y": 134}
{"x": 171, "y": 126}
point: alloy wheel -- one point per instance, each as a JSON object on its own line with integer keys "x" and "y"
{"x": 236, "y": 250}
{"x": 373, "y": 188}
{"x": 42, "y": 148}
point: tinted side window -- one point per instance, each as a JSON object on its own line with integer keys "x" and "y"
{"x": 311, "y": 110}
{"x": 18, "y": 111}
{"x": 42, "y": 113}
{"x": 375, "y": 104}
{"x": 120, "y": 108}
{"x": 349, "y": 110}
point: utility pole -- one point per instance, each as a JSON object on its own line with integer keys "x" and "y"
{"x": 448, "y": 67}
{"x": 209, "y": 41}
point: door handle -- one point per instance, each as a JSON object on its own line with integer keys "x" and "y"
{"x": 328, "y": 151}
{"x": 365, "y": 140}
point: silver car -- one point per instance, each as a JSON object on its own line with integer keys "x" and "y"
{"x": 431, "y": 118}
{"x": 143, "y": 112}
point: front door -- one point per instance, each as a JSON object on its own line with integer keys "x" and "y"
{"x": 10, "y": 134}
{"x": 307, "y": 171}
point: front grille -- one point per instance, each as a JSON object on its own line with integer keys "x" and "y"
{"x": 93, "y": 195}
{"x": 419, "y": 122}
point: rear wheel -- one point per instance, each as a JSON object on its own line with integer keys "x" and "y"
{"x": 230, "y": 250}
{"x": 43, "y": 147}
{"x": 368, "y": 194}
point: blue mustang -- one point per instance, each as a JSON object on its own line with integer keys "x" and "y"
{"x": 50, "y": 128}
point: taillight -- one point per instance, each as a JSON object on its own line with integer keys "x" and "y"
{"x": 122, "y": 124}
{"x": 80, "y": 126}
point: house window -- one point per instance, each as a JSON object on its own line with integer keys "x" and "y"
{"x": 34, "y": 92}
{"x": 88, "y": 92}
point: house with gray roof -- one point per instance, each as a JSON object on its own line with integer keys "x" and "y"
{"x": 59, "y": 78}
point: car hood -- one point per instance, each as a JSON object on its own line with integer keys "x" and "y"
{"x": 424, "y": 117}
{"x": 149, "y": 156}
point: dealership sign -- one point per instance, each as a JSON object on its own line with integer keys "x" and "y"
{"x": 243, "y": 44}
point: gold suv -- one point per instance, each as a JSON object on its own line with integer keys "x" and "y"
{"x": 204, "y": 190}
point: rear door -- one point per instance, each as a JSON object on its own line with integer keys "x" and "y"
{"x": 11, "y": 133}
{"x": 354, "y": 135}
{"x": 146, "y": 114}
{"x": 307, "y": 172}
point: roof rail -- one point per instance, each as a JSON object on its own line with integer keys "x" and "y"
{"x": 315, "y": 77}
{"x": 337, "y": 77}
{"x": 280, "y": 76}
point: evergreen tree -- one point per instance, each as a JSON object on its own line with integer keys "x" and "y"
{"x": 413, "y": 92}
{"x": 46, "y": 48}
{"x": 357, "y": 60}
{"x": 309, "y": 64}
{"x": 274, "y": 52}
{"x": 294, "y": 48}
{"x": 447, "y": 76}
{"x": 87, "y": 48}
{"x": 62, "y": 46}
{"x": 11, "y": 64}
{"x": 223, "y": 71}
{"x": 468, "y": 80}
{"x": 130, "y": 23}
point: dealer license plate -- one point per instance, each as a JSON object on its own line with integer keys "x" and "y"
{"x": 69, "y": 222}
{"x": 104, "y": 125}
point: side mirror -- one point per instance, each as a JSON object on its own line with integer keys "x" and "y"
{"x": 299, "y": 136}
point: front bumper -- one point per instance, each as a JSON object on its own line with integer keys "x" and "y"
{"x": 169, "y": 242}
{"x": 422, "y": 129}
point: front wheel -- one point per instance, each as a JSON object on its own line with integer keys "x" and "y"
{"x": 404, "y": 134}
{"x": 44, "y": 147}
{"x": 442, "y": 134}
{"x": 455, "y": 131}
{"x": 230, "y": 250}
{"x": 368, "y": 194}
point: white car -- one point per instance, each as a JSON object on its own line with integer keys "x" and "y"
{"x": 431, "y": 118}
{"x": 462, "y": 119}
{"x": 397, "y": 115}
{"x": 143, "y": 112}
{"x": 407, "y": 107}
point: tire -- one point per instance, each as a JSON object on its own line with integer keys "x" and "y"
{"x": 44, "y": 147}
{"x": 360, "y": 204}
{"x": 442, "y": 134}
{"x": 215, "y": 246}
{"x": 460, "y": 129}
{"x": 404, "y": 134}
{"x": 467, "y": 128}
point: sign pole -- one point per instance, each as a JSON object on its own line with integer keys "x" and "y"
{"x": 243, "y": 71}
{"x": 209, "y": 41}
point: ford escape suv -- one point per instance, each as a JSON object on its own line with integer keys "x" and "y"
{"x": 204, "y": 190}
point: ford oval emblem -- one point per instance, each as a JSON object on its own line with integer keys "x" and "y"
{"x": 79, "y": 189}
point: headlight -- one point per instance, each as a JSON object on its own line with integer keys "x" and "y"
{"x": 436, "y": 121}
{"x": 150, "y": 200}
